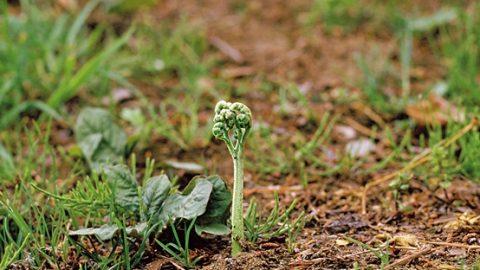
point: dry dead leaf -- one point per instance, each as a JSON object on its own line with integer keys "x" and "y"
{"x": 405, "y": 240}
{"x": 464, "y": 221}
{"x": 434, "y": 110}
{"x": 157, "y": 264}
{"x": 227, "y": 49}
{"x": 400, "y": 239}
{"x": 342, "y": 242}
{"x": 235, "y": 72}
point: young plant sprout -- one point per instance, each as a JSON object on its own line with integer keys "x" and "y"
{"x": 233, "y": 122}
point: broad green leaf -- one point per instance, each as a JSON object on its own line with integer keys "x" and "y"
{"x": 155, "y": 192}
{"x": 220, "y": 198}
{"x": 107, "y": 232}
{"x": 101, "y": 140}
{"x": 213, "y": 228}
{"x": 137, "y": 229}
{"x": 192, "y": 203}
{"x": 7, "y": 167}
{"x": 134, "y": 117}
{"x": 123, "y": 186}
{"x": 218, "y": 208}
{"x": 90, "y": 144}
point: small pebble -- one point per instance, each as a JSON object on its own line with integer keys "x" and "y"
{"x": 472, "y": 241}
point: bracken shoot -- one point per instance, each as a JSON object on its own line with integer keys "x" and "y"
{"x": 233, "y": 122}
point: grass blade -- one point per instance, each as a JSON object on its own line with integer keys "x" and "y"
{"x": 70, "y": 89}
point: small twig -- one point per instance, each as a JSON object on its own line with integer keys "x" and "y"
{"x": 273, "y": 188}
{"x": 307, "y": 262}
{"x": 458, "y": 245}
{"x": 227, "y": 49}
{"x": 415, "y": 162}
{"x": 173, "y": 263}
{"x": 356, "y": 254}
{"x": 360, "y": 128}
{"x": 360, "y": 107}
{"x": 448, "y": 267}
{"x": 407, "y": 259}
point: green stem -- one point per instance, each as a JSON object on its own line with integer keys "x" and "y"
{"x": 237, "y": 203}
{"x": 230, "y": 146}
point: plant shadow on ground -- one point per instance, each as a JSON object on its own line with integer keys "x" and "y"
{"x": 343, "y": 93}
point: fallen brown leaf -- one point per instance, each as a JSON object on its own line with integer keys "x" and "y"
{"x": 433, "y": 111}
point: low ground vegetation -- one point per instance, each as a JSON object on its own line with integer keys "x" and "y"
{"x": 351, "y": 140}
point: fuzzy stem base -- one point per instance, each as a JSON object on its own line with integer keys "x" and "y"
{"x": 237, "y": 204}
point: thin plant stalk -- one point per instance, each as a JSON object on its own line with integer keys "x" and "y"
{"x": 232, "y": 125}
{"x": 237, "y": 204}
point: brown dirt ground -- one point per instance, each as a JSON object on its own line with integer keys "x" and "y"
{"x": 440, "y": 232}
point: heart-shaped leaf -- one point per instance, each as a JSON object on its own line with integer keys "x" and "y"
{"x": 101, "y": 140}
{"x": 123, "y": 186}
{"x": 213, "y": 228}
{"x": 155, "y": 191}
{"x": 191, "y": 204}
{"x": 108, "y": 231}
{"x": 219, "y": 199}
{"x": 214, "y": 219}
{"x": 105, "y": 232}
{"x": 90, "y": 144}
